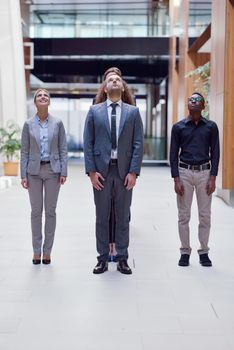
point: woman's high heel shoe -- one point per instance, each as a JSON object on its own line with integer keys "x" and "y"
{"x": 46, "y": 261}
{"x": 36, "y": 261}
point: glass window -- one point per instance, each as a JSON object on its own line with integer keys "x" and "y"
{"x": 128, "y": 23}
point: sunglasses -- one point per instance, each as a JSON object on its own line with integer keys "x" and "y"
{"x": 196, "y": 99}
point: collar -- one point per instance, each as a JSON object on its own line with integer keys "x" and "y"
{"x": 109, "y": 102}
{"x": 189, "y": 120}
{"x": 39, "y": 121}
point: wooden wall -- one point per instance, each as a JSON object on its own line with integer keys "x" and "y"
{"x": 222, "y": 78}
{"x": 181, "y": 87}
{"x": 228, "y": 125}
{"x": 222, "y": 86}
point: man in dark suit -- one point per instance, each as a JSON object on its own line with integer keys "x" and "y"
{"x": 127, "y": 98}
{"x": 113, "y": 149}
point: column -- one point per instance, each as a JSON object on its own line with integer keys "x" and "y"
{"x": 12, "y": 78}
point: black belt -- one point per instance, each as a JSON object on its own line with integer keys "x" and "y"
{"x": 45, "y": 162}
{"x": 205, "y": 166}
{"x": 114, "y": 161}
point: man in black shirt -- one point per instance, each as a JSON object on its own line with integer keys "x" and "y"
{"x": 194, "y": 159}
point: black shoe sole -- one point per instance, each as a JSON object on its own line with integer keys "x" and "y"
{"x": 98, "y": 272}
{"x": 183, "y": 264}
{"x": 207, "y": 264}
{"x": 125, "y": 272}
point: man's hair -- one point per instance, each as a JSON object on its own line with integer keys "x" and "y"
{"x": 198, "y": 93}
{"x": 113, "y": 70}
{"x": 126, "y": 94}
{"x": 37, "y": 91}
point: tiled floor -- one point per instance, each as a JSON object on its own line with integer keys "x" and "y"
{"x": 160, "y": 307}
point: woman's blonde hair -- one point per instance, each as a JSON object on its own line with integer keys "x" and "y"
{"x": 37, "y": 91}
{"x": 126, "y": 94}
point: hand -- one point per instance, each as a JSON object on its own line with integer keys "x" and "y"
{"x": 179, "y": 188}
{"x": 95, "y": 179}
{"x": 130, "y": 181}
{"x": 62, "y": 180}
{"x": 24, "y": 183}
{"x": 210, "y": 187}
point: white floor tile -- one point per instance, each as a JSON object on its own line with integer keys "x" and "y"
{"x": 161, "y": 306}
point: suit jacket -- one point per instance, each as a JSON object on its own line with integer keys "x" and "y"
{"x": 30, "y": 147}
{"x": 97, "y": 140}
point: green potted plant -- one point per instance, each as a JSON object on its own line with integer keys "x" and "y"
{"x": 9, "y": 146}
{"x": 202, "y": 84}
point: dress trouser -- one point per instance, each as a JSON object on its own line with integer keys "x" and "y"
{"x": 122, "y": 202}
{"x": 194, "y": 180}
{"x": 43, "y": 187}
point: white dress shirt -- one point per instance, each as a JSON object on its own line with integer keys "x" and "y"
{"x": 118, "y": 115}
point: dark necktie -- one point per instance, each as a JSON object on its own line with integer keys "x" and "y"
{"x": 113, "y": 126}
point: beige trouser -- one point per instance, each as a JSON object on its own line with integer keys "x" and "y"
{"x": 194, "y": 180}
{"x": 43, "y": 187}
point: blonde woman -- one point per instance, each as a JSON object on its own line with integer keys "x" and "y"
{"x": 43, "y": 170}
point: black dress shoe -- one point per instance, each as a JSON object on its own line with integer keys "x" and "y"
{"x": 46, "y": 261}
{"x": 204, "y": 260}
{"x": 184, "y": 260}
{"x": 123, "y": 267}
{"x": 101, "y": 267}
{"x": 36, "y": 261}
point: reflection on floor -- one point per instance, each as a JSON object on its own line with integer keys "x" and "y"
{"x": 160, "y": 306}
